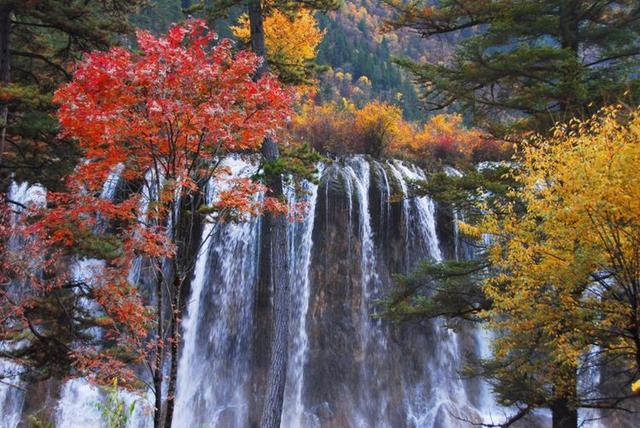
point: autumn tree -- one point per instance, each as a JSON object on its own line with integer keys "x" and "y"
{"x": 66, "y": 307}
{"x": 528, "y": 63}
{"x": 169, "y": 114}
{"x": 567, "y": 266}
{"x": 378, "y": 124}
{"x": 291, "y": 40}
{"x": 327, "y": 128}
{"x": 554, "y": 273}
{"x": 38, "y": 42}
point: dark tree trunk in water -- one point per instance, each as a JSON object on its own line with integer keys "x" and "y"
{"x": 174, "y": 339}
{"x": 5, "y": 68}
{"x": 277, "y": 273}
{"x": 273, "y": 274}
{"x": 157, "y": 372}
{"x": 563, "y": 415}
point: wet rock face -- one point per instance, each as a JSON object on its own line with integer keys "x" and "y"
{"x": 360, "y": 370}
{"x": 446, "y": 231}
{"x": 335, "y": 305}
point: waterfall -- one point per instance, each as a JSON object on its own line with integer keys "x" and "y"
{"x": 12, "y": 391}
{"x": 447, "y": 398}
{"x": 80, "y": 402}
{"x": 111, "y": 183}
{"x": 300, "y": 245}
{"x": 358, "y": 175}
{"x": 213, "y": 371}
{"x": 11, "y": 395}
{"x": 346, "y": 368}
{"x": 424, "y": 211}
{"x": 406, "y": 203}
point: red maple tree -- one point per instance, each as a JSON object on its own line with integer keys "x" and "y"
{"x": 54, "y": 322}
{"x": 175, "y": 108}
{"x": 164, "y": 116}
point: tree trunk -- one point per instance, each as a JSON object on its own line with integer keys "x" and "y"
{"x": 5, "y": 69}
{"x": 178, "y": 261}
{"x": 174, "y": 343}
{"x": 275, "y": 278}
{"x": 274, "y": 267}
{"x": 572, "y": 86}
{"x": 263, "y": 316}
{"x": 262, "y": 323}
{"x": 274, "y": 395}
{"x": 563, "y": 414}
{"x": 256, "y": 24}
{"x": 187, "y": 235}
{"x": 157, "y": 372}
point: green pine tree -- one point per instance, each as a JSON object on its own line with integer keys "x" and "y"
{"x": 528, "y": 63}
{"x": 38, "y": 43}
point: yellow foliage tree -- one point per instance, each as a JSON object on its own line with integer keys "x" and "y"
{"x": 567, "y": 295}
{"x": 342, "y": 128}
{"x": 379, "y": 124}
{"x": 291, "y": 40}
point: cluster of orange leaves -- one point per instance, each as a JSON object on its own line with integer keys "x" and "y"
{"x": 379, "y": 129}
{"x": 39, "y": 244}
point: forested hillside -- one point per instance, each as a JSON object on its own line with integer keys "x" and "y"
{"x": 357, "y": 50}
{"x": 359, "y": 54}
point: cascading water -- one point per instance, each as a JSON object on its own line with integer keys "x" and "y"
{"x": 12, "y": 391}
{"x": 489, "y": 409}
{"x": 346, "y": 368}
{"x": 357, "y": 173}
{"x": 80, "y": 403}
{"x": 11, "y": 395}
{"x": 446, "y": 403}
{"x": 300, "y": 245}
{"x": 213, "y": 372}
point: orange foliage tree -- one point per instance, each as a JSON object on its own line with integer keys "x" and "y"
{"x": 378, "y": 129}
{"x": 444, "y": 138}
{"x": 175, "y": 108}
{"x": 55, "y": 322}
